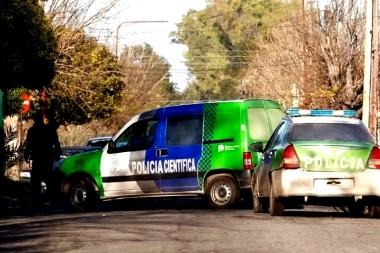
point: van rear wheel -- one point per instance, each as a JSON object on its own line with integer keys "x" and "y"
{"x": 222, "y": 191}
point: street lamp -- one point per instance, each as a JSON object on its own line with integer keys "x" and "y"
{"x": 133, "y": 22}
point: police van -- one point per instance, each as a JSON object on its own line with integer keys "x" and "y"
{"x": 181, "y": 150}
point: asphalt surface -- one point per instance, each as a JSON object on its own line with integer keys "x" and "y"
{"x": 185, "y": 226}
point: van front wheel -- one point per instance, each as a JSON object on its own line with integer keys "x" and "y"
{"x": 222, "y": 191}
{"x": 82, "y": 195}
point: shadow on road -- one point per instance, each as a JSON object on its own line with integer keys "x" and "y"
{"x": 42, "y": 230}
{"x": 321, "y": 214}
{"x": 183, "y": 204}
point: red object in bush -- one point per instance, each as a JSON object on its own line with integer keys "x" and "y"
{"x": 26, "y": 103}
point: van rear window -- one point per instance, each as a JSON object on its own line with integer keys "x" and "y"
{"x": 258, "y": 124}
{"x": 275, "y": 117}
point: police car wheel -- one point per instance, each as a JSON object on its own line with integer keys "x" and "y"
{"x": 259, "y": 204}
{"x": 374, "y": 211}
{"x": 275, "y": 208}
{"x": 222, "y": 191}
{"x": 82, "y": 195}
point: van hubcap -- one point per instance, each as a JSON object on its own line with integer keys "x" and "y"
{"x": 221, "y": 193}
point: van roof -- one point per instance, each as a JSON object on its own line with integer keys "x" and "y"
{"x": 253, "y": 100}
{"x": 249, "y": 102}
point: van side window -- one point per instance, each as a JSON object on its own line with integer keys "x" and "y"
{"x": 184, "y": 130}
{"x": 258, "y": 124}
{"x": 139, "y": 136}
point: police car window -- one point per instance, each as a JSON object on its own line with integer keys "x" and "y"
{"x": 329, "y": 132}
{"x": 184, "y": 130}
{"x": 276, "y": 136}
{"x": 258, "y": 124}
{"x": 138, "y": 136}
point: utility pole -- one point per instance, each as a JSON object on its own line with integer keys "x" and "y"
{"x": 374, "y": 72}
{"x": 132, "y": 22}
{"x": 367, "y": 63}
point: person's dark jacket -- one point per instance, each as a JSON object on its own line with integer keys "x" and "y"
{"x": 42, "y": 142}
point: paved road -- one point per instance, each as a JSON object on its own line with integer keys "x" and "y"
{"x": 187, "y": 227}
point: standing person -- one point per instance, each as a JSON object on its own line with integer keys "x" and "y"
{"x": 42, "y": 148}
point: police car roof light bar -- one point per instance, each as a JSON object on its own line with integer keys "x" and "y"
{"x": 341, "y": 113}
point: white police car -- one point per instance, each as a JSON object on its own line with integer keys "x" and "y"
{"x": 321, "y": 157}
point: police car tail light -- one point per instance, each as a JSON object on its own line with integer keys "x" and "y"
{"x": 374, "y": 158}
{"x": 289, "y": 158}
{"x": 247, "y": 161}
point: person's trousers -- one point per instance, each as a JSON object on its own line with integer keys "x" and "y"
{"x": 42, "y": 171}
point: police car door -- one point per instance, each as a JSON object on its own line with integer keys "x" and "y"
{"x": 181, "y": 148}
{"x": 268, "y": 156}
{"x": 127, "y": 169}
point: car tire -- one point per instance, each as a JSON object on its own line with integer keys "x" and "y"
{"x": 260, "y": 204}
{"x": 82, "y": 195}
{"x": 275, "y": 208}
{"x": 222, "y": 191}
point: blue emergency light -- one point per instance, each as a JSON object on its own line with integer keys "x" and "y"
{"x": 341, "y": 113}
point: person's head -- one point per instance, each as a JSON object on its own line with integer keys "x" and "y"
{"x": 38, "y": 117}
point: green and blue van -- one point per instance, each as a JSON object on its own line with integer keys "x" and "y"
{"x": 182, "y": 150}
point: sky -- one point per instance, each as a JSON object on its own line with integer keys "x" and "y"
{"x": 156, "y": 34}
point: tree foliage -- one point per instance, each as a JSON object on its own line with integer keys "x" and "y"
{"x": 220, "y": 39}
{"x": 313, "y": 60}
{"x": 147, "y": 83}
{"x": 28, "y": 45}
{"x": 316, "y": 64}
{"x": 89, "y": 82}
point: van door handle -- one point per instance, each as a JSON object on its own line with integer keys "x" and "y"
{"x": 162, "y": 152}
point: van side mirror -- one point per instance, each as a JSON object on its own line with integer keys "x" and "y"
{"x": 111, "y": 145}
{"x": 256, "y": 147}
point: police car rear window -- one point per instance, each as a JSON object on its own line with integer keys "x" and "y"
{"x": 329, "y": 132}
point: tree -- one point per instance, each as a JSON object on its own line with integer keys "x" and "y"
{"x": 28, "y": 45}
{"x": 28, "y": 50}
{"x": 89, "y": 82}
{"x": 147, "y": 82}
{"x": 333, "y": 59}
{"x": 220, "y": 39}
